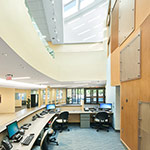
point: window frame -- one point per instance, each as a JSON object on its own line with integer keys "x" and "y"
{"x": 92, "y": 97}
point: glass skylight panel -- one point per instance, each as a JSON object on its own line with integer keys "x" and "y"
{"x": 66, "y": 1}
{"x": 84, "y": 3}
{"x": 70, "y": 8}
{"x": 70, "y": 5}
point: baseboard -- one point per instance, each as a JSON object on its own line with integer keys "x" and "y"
{"x": 125, "y": 144}
{"x": 117, "y": 130}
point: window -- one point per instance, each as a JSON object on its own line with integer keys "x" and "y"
{"x": 94, "y": 95}
{"x": 59, "y": 95}
{"x": 74, "y": 96}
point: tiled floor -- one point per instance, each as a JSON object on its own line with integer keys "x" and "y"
{"x": 87, "y": 139}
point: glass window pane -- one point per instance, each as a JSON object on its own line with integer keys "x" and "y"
{"x": 94, "y": 93}
{"x": 94, "y": 99}
{"x": 88, "y": 92}
{"x": 100, "y": 92}
{"x": 82, "y": 94}
{"x": 100, "y": 99}
{"x": 88, "y": 100}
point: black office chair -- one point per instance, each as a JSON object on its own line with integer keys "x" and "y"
{"x": 52, "y": 132}
{"x": 102, "y": 121}
{"x": 62, "y": 120}
{"x": 43, "y": 143}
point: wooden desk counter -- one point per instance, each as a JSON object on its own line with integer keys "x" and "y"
{"x": 36, "y": 127}
{"x": 6, "y": 119}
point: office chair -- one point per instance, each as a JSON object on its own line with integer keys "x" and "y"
{"x": 102, "y": 121}
{"x": 52, "y": 132}
{"x": 43, "y": 143}
{"x": 62, "y": 120}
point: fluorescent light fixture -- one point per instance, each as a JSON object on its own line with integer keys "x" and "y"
{"x": 84, "y": 32}
{"x": 82, "y": 82}
{"x": 89, "y": 37}
{"x": 21, "y": 78}
{"x": 74, "y": 20}
{"x": 77, "y": 27}
{"x": 94, "y": 19}
{"x": 20, "y": 85}
{"x": 89, "y": 12}
{"x": 41, "y": 82}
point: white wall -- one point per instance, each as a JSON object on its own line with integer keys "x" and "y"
{"x": 87, "y": 63}
{"x": 113, "y": 96}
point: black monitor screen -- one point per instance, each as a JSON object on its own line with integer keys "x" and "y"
{"x": 105, "y": 105}
{"x": 50, "y": 106}
{"x": 12, "y": 129}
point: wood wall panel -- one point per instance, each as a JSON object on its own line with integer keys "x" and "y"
{"x": 136, "y": 90}
{"x": 142, "y": 11}
{"x": 114, "y": 27}
{"x": 115, "y": 67}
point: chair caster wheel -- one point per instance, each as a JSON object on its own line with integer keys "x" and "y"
{"x": 68, "y": 129}
{"x": 57, "y": 144}
{"x": 97, "y": 130}
{"x": 107, "y": 130}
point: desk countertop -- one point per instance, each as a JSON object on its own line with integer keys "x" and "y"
{"x": 8, "y": 118}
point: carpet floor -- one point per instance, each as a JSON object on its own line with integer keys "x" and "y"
{"x": 87, "y": 139}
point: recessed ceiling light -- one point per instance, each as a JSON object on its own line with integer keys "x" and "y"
{"x": 77, "y": 27}
{"x": 5, "y": 54}
{"x": 44, "y": 36}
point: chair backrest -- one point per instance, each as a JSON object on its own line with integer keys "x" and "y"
{"x": 53, "y": 123}
{"x": 43, "y": 145}
{"x": 102, "y": 116}
{"x": 64, "y": 115}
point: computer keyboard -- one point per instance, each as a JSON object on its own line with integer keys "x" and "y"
{"x": 28, "y": 139}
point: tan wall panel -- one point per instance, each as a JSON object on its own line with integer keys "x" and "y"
{"x": 18, "y": 103}
{"x": 134, "y": 91}
{"x": 142, "y": 11}
{"x": 7, "y": 104}
{"x": 114, "y": 27}
{"x": 115, "y": 67}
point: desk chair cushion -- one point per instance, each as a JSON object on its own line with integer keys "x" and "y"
{"x": 98, "y": 120}
{"x": 61, "y": 120}
{"x": 50, "y": 131}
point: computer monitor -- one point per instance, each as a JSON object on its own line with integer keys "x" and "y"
{"x": 50, "y": 107}
{"x": 105, "y": 106}
{"x": 12, "y": 129}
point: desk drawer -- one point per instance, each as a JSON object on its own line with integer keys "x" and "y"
{"x": 85, "y": 124}
{"x": 85, "y": 116}
{"x": 85, "y": 119}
